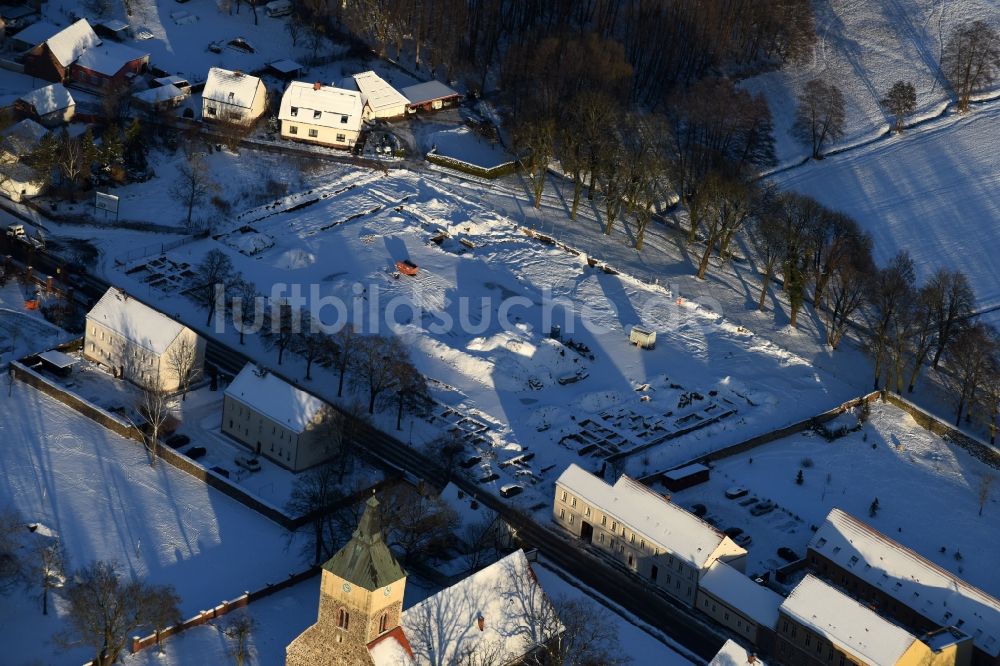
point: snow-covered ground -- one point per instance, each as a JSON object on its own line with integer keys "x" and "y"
{"x": 927, "y": 491}
{"x": 864, "y": 47}
{"x": 97, "y": 492}
{"x": 506, "y": 383}
{"x": 930, "y": 191}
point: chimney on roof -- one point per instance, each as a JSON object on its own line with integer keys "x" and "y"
{"x": 317, "y": 85}
{"x": 481, "y": 621}
{"x": 751, "y": 659}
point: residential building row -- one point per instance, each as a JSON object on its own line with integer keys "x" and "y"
{"x": 865, "y": 599}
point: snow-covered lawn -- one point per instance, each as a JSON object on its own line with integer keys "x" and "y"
{"x": 927, "y": 492}
{"x": 98, "y": 493}
{"x": 930, "y": 191}
{"x": 864, "y": 47}
{"x": 506, "y": 384}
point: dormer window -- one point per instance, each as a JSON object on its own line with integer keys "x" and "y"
{"x": 295, "y": 111}
{"x": 343, "y": 120}
{"x": 317, "y": 115}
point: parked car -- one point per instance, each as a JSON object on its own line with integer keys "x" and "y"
{"x": 744, "y": 540}
{"x": 221, "y": 471}
{"x": 732, "y": 532}
{"x": 489, "y": 477}
{"x": 248, "y": 463}
{"x": 699, "y": 510}
{"x": 788, "y": 554}
{"x": 736, "y": 492}
{"x": 196, "y": 452}
{"x": 764, "y": 507}
{"x": 470, "y": 462}
{"x": 748, "y": 501}
{"x": 510, "y": 490}
{"x": 177, "y": 441}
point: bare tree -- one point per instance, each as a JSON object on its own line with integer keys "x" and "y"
{"x": 310, "y": 343}
{"x": 239, "y": 629}
{"x": 983, "y": 494}
{"x": 922, "y": 337}
{"x": 47, "y": 566}
{"x": 848, "y": 286}
{"x": 182, "y": 361}
{"x": 953, "y": 302}
{"x": 12, "y": 550}
{"x": 535, "y": 138}
{"x": 410, "y": 387}
{"x": 768, "y": 239}
{"x": 889, "y": 290}
{"x": 819, "y": 117}
{"x": 281, "y": 325}
{"x": 970, "y": 358}
{"x": 315, "y": 494}
{"x": 417, "y": 523}
{"x": 346, "y": 342}
{"x": 726, "y": 204}
{"x": 579, "y": 636}
{"x": 104, "y": 610}
{"x": 194, "y": 183}
{"x": 970, "y": 59}
{"x": 374, "y": 366}
{"x": 248, "y": 308}
{"x": 215, "y": 269}
{"x": 900, "y": 102}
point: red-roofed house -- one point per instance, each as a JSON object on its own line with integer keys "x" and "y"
{"x": 51, "y": 59}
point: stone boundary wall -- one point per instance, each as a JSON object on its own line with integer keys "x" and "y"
{"x": 977, "y": 448}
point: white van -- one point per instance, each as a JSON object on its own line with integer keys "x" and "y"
{"x": 278, "y": 8}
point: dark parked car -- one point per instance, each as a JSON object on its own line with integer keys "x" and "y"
{"x": 736, "y": 492}
{"x": 177, "y": 441}
{"x": 788, "y": 554}
{"x": 511, "y": 490}
{"x": 763, "y": 508}
{"x": 699, "y": 510}
{"x": 471, "y": 462}
{"x": 221, "y": 471}
{"x": 732, "y": 532}
{"x": 489, "y": 477}
{"x": 196, "y": 452}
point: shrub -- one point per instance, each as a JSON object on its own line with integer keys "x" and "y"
{"x": 806, "y": 463}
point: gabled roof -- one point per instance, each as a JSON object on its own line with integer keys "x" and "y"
{"x": 275, "y": 398}
{"x": 228, "y": 87}
{"x": 37, "y": 33}
{"x": 915, "y": 582}
{"x": 22, "y": 137}
{"x": 173, "y": 79}
{"x": 391, "y": 647}
{"x": 517, "y": 615}
{"x": 734, "y": 654}
{"x": 429, "y": 91}
{"x": 379, "y": 95}
{"x": 109, "y": 58}
{"x": 70, "y": 43}
{"x": 661, "y": 521}
{"x": 365, "y": 560}
{"x": 160, "y": 94}
{"x": 330, "y": 103}
{"x": 53, "y": 97}
{"x": 136, "y": 322}
{"x": 737, "y": 591}
{"x": 849, "y": 625}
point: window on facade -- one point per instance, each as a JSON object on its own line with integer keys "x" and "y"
{"x": 572, "y": 502}
{"x": 562, "y": 513}
{"x": 632, "y": 538}
{"x": 343, "y": 120}
{"x": 293, "y": 129}
{"x": 586, "y": 512}
{"x": 808, "y": 639}
{"x": 383, "y": 623}
{"x": 602, "y": 537}
{"x": 313, "y": 133}
{"x": 341, "y": 138}
{"x": 564, "y": 496}
{"x": 571, "y": 519}
{"x": 630, "y": 560}
{"x": 210, "y": 110}
{"x": 653, "y": 572}
{"x": 604, "y": 521}
{"x": 343, "y": 619}
{"x": 727, "y": 615}
{"x": 317, "y": 115}
{"x": 642, "y": 544}
{"x": 295, "y": 111}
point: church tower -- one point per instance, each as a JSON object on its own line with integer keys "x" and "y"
{"x": 361, "y": 600}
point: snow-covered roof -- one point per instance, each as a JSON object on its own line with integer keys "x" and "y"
{"x": 736, "y": 590}
{"x": 517, "y": 617}
{"x": 37, "y": 33}
{"x": 160, "y": 94}
{"x": 734, "y": 654}
{"x": 58, "y": 359}
{"x": 136, "y": 322}
{"x": 70, "y": 43}
{"x": 53, "y": 97}
{"x": 22, "y": 137}
{"x": 659, "y": 520}
{"x": 303, "y": 101}
{"x": 285, "y": 66}
{"x": 173, "y": 79}
{"x": 115, "y": 25}
{"x": 109, "y": 58}
{"x": 687, "y": 470}
{"x": 391, "y": 648}
{"x": 904, "y": 575}
{"x": 429, "y": 91}
{"x": 379, "y": 95}
{"x": 275, "y": 398}
{"x": 228, "y": 87}
{"x": 849, "y": 625}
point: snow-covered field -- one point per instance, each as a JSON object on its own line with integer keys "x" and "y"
{"x": 477, "y": 320}
{"x": 97, "y": 492}
{"x": 864, "y": 47}
{"x": 930, "y": 192}
{"x": 927, "y": 492}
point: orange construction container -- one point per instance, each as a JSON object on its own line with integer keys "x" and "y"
{"x": 406, "y": 267}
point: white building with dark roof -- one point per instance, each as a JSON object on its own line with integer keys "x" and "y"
{"x": 380, "y": 98}
{"x": 277, "y": 420}
{"x": 902, "y": 584}
{"x": 649, "y": 534}
{"x": 319, "y": 114}
{"x": 430, "y": 96}
{"x": 232, "y": 97}
{"x": 18, "y": 181}
{"x": 137, "y": 342}
{"x": 733, "y": 600}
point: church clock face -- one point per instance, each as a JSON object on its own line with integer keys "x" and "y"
{"x": 347, "y": 587}
{"x": 387, "y": 590}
